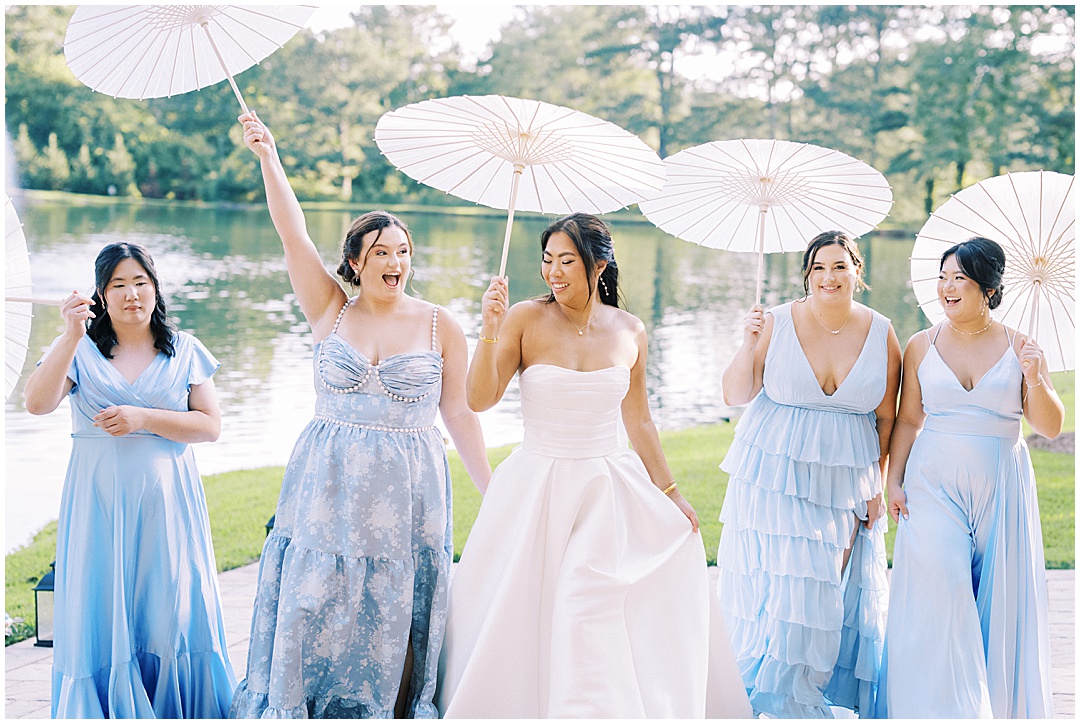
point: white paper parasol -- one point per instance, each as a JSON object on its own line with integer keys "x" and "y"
{"x": 766, "y": 196}
{"x": 154, "y": 51}
{"x": 17, "y": 314}
{"x": 513, "y": 153}
{"x": 1032, "y": 214}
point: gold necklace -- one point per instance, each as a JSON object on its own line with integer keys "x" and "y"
{"x": 838, "y": 331}
{"x": 580, "y": 330}
{"x": 977, "y": 331}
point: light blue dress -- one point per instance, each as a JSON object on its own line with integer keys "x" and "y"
{"x": 968, "y": 634}
{"x": 138, "y": 629}
{"x": 807, "y": 633}
{"x": 358, "y": 563}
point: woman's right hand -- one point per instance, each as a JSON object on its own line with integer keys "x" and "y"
{"x": 897, "y": 502}
{"x": 75, "y": 309}
{"x": 684, "y": 506}
{"x": 493, "y": 308}
{"x": 753, "y": 325}
{"x": 257, "y": 136}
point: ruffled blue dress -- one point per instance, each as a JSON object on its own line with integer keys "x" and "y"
{"x": 357, "y": 567}
{"x": 138, "y": 630}
{"x": 968, "y": 632}
{"x": 808, "y": 632}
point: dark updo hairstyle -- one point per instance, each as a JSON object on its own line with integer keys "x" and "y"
{"x": 592, "y": 239}
{"x": 101, "y": 330}
{"x": 352, "y": 248}
{"x": 982, "y": 261}
{"x": 828, "y": 238}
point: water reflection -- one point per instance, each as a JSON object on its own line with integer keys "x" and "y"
{"x": 225, "y": 279}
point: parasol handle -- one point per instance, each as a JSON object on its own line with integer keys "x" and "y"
{"x": 764, "y": 209}
{"x": 1034, "y": 309}
{"x": 206, "y": 27}
{"x": 34, "y": 300}
{"x": 510, "y": 218}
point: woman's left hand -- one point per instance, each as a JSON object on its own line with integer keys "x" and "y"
{"x": 684, "y": 505}
{"x": 875, "y": 508}
{"x": 1031, "y": 361}
{"x": 120, "y": 420}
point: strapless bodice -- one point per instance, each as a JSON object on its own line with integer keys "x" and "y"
{"x": 571, "y": 414}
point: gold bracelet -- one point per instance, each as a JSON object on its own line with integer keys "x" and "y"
{"x": 673, "y": 486}
{"x": 489, "y": 341}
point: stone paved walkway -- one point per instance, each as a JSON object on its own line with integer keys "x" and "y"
{"x": 28, "y": 667}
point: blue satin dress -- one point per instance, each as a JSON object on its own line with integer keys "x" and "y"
{"x": 138, "y": 631}
{"x": 357, "y": 567}
{"x": 808, "y": 633}
{"x": 968, "y": 632}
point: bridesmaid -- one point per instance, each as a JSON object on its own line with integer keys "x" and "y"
{"x": 821, "y": 375}
{"x": 353, "y": 581}
{"x": 139, "y": 632}
{"x": 962, "y": 490}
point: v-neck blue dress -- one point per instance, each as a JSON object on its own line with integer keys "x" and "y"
{"x": 138, "y": 630}
{"x": 357, "y": 567}
{"x": 807, "y": 632}
{"x": 968, "y": 631}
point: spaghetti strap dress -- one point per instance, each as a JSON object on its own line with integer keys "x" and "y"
{"x": 356, "y": 568}
{"x": 139, "y": 631}
{"x": 808, "y": 632}
{"x": 968, "y": 632}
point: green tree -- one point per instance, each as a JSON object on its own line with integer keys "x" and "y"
{"x": 120, "y": 169}
{"x": 84, "y": 173}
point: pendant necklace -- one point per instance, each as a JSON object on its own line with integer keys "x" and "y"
{"x": 580, "y": 330}
{"x": 830, "y": 331}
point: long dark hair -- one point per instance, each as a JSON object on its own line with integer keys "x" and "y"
{"x": 982, "y": 261}
{"x": 592, "y": 239}
{"x": 101, "y": 330}
{"x": 353, "y": 245}
{"x": 845, "y": 242}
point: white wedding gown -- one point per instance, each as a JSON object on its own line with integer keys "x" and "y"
{"x": 582, "y": 591}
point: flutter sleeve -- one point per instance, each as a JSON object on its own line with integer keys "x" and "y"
{"x": 203, "y": 364}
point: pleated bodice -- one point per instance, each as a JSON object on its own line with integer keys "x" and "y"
{"x": 581, "y": 420}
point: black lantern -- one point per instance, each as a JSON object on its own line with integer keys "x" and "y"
{"x": 270, "y": 524}
{"x": 43, "y": 608}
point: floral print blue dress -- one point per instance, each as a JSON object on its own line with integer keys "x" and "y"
{"x": 357, "y": 567}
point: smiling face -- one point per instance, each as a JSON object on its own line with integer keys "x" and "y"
{"x": 130, "y": 295}
{"x": 385, "y": 262}
{"x": 831, "y": 275}
{"x": 564, "y": 271}
{"x": 960, "y": 296}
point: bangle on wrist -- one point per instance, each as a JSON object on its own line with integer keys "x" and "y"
{"x": 670, "y": 488}
{"x": 488, "y": 340}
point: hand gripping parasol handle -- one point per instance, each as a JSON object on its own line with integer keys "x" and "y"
{"x": 34, "y": 300}
{"x": 510, "y": 219}
{"x": 206, "y": 27}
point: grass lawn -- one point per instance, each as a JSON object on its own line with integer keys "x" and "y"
{"x": 241, "y": 502}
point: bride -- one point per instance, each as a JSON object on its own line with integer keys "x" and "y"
{"x": 582, "y": 591}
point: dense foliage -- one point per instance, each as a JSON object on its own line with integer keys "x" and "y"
{"x": 935, "y": 97}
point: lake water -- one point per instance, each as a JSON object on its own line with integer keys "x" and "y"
{"x": 224, "y": 278}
